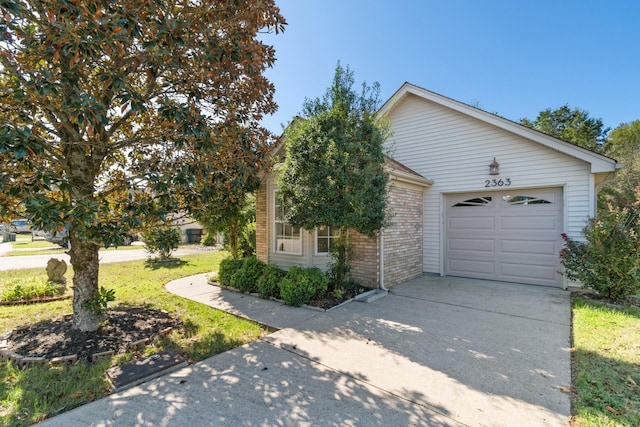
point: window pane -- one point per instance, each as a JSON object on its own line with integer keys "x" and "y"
{"x": 323, "y": 246}
{"x": 287, "y": 238}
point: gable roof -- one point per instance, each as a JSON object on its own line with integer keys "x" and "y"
{"x": 598, "y": 162}
{"x": 402, "y": 173}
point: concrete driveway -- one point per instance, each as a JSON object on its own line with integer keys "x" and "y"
{"x": 435, "y": 351}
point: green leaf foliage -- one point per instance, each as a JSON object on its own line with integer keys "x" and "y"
{"x": 228, "y": 268}
{"x": 246, "y": 278}
{"x": 117, "y": 113}
{"x": 269, "y": 282}
{"x": 301, "y": 285}
{"x": 162, "y": 240}
{"x": 623, "y": 145}
{"x": 571, "y": 124}
{"x": 333, "y": 173}
{"x": 609, "y": 260}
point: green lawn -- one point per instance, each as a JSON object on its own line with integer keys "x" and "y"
{"x": 30, "y": 395}
{"x": 36, "y": 244}
{"x": 59, "y": 250}
{"x": 52, "y": 249}
{"x": 606, "y": 364}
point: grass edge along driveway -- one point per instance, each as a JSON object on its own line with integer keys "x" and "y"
{"x": 605, "y": 364}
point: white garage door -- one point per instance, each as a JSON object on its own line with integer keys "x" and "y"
{"x": 511, "y": 236}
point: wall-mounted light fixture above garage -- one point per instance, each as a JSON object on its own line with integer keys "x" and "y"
{"x": 494, "y": 167}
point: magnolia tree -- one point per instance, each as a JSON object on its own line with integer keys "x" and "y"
{"x": 333, "y": 174}
{"x": 115, "y": 113}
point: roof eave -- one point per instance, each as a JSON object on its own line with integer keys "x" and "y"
{"x": 409, "y": 178}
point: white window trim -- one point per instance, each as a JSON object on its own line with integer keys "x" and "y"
{"x": 275, "y": 237}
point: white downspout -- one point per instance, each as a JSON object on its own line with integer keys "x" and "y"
{"x": 381, "y": 237}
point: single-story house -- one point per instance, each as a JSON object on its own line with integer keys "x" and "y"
{"x": 471, "y": 194}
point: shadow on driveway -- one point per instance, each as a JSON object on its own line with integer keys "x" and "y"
{"x": 434, "y": 352}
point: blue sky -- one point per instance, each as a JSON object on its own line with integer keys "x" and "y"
{"x": 510, "y": 57}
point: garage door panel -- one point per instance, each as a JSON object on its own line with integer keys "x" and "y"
{"x": 529, "y": 222}
{"x": 528, "y": 247}
{"x": 515, "y": 236}
{"x": 516, "y": 272}
{"x": 470, "y": 266}
{"x": 486, "y": 224}
{"x": 472, "y": 245}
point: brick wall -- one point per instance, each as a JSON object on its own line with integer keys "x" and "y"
{"x": 364, "y": 265}
{"x": 261, "y": 223}
{"x": 403, "y": 238}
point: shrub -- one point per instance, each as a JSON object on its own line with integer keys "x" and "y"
{"x": 318, "y": 280}
{"x": 269, "y": 282}
{"x": 609, "y": 260}
{"x": 209, "y": 239}
{"x": 19, "y": 290}
{"x": 300, "y": 285}
{"x": 98, "y": 302}
{"x": 162, "y": 240}
{"x": 341, "y": 253}
{"x": 246, "y": 278}
{"x": 228, "y": 267}
{"x": 247, "y": 239}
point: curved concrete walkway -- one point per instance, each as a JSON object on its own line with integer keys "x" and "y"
{"x": 435, "y": 351}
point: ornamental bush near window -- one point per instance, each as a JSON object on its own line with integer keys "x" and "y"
{"x": 246, "y": 278}
{"x": 269, "y": 282}
{"x": 609, "y": 260}
{"x": 228, "y": 267}
{"x": 301, "y": 285}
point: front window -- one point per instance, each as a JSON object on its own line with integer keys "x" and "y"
{"x": 287, "y": 237}
{"x": 325, "y": 238}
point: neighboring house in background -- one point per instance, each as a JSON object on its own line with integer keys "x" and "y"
{"x": 471, "y": 195}
{"x": 20, "y": 226}
{"x": 190, "y": 230}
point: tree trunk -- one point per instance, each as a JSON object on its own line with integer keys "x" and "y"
{"x": 233, "y": 236}
{"x": 84, "y": 259}
{"x": 343, "y": 256}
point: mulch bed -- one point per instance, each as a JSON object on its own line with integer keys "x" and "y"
{"x": 35, "y": 300}
{"x": 124, "y": 325}
{"x": 329, "y": 300}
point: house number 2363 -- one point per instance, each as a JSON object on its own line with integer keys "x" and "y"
{"x": 497, "y": 182}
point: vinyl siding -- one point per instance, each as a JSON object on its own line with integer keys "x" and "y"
{"x": 454, "y": 150}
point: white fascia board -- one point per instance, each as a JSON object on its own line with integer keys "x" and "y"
{"x": 408, "y": 178}
{"x": 599, "y": 163}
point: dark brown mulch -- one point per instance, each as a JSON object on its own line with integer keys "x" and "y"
{"x": 124, "y": 325}
{"x": 330, "y": 300}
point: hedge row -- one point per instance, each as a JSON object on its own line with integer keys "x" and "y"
{"x": 296, "y": 287}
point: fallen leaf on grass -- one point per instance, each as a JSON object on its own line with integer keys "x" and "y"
{"x": 613, "y": 411}
{"x": 76, "y": 395}
{"x": 631, "y": 382}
